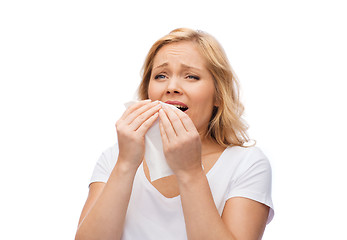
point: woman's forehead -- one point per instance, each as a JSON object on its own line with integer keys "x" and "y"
{"x": 185, "y": 53}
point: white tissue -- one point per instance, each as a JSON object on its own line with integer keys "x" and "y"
{"x": 154, "y": 154}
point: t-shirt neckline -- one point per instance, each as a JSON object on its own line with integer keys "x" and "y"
{"x": 156, "y": 191}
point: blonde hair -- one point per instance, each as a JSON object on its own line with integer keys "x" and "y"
{"x": 226, "y": 126}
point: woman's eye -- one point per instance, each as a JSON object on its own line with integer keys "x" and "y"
{"x": 193, "y": 77}
{"x": 159, "y": 76}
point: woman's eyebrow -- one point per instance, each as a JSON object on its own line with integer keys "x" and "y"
{"x": 184, "y": 66}
{"x": 190, "y": 67}
{"x": 161, "y": 65}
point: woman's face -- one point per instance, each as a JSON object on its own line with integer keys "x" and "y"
{"x": 180, "y": 77}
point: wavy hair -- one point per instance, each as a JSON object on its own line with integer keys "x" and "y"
{"x": 226, "y": 125}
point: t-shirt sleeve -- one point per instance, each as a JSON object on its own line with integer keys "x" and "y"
{"x": 254, "y": 181}
{"x": 105, "y": 165}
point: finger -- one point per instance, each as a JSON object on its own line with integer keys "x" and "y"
{"x": 164, "y": 137}
{"x": 186, "y": 121}
{"x": 142, "y": 130}
{"x": 134, "y": 106}
{"x": 140, "y": 119}
{"x": 129, "y": 118}
{"x": 166, "y": 124}
{"x": 175, "y": 120}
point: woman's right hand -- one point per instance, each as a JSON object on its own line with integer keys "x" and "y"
{"x": 131, "y": 130}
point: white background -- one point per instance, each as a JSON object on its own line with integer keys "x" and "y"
{"x": 67, "y": 67}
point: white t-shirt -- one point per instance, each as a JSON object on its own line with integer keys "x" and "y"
{"x": 239, "y": 172}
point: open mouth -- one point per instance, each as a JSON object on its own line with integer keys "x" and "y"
{"x": 181, "y": 106}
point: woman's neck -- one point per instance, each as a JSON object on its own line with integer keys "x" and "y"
{"x": 209, "y": 146}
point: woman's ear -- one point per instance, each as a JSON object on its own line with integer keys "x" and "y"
{"x": 216, "y": 102}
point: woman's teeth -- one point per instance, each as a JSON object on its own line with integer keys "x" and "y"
{"x": 182, "y": 108}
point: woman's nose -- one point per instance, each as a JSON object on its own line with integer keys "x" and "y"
{"x": 173, "y": 87}
{"x": 171, "y": 91}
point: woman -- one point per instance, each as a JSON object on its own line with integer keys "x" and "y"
{"x": 220, "y": 189}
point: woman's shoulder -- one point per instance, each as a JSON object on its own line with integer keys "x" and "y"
{"x": 109, "y": 156}
{"x": 252, "y": 152}
{"x": 111, "y": 151}
{"x": 244, "y": 157}
{"x": 105, "y": 164}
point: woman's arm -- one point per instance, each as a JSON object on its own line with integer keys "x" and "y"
{"x": 245, "y": 217}
{"x": 104, "y": 213}
{"x": 95, "y": 190}
{"x": 200, "y": 212}
{"x": 242, "y": 218}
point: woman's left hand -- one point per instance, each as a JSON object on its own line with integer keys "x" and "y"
{"x": 181, "y": 141}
